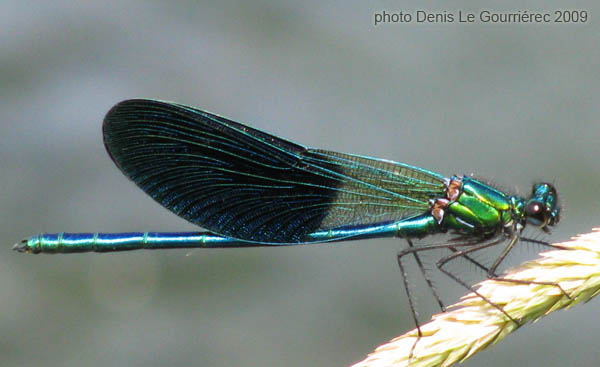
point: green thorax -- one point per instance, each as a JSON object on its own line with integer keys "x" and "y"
{"x": 479, "y": 208}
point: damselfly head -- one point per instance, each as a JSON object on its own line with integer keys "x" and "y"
{"x": 542, "y": 208}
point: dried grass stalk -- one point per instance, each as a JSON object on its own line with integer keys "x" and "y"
{"x": 472, "y": 324}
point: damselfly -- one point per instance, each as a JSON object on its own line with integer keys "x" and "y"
{"x": 250, "y": 188}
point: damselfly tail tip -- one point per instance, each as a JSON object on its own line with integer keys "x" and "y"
{"x": 21, "y": 246}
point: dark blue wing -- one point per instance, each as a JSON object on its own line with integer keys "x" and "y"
{"x": 246, "y": 184}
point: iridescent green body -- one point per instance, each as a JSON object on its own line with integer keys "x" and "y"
{"x": 249, "y": 188}
{"x": 479, "y": 209}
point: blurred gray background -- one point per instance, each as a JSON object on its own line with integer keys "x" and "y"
{"x": 515, "y": 103}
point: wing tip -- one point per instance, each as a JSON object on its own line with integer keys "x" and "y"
{"x": 112, "y": 116}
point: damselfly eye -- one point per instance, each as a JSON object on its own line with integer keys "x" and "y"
{"x": 536, "y": 212}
